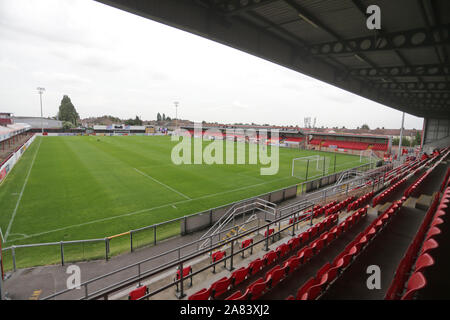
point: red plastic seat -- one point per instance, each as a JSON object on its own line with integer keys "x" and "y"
{"x": 282, "y": 250}
{"x": 434, "y": 231}
{"x": 274, "y": 276}
{"x": 293, "y": 243}
{"x": 424, "y": 261}
{"x": 138, "y": 293}
{"x": 317, "y": 245}
{"x": 246, "y": 243}
{"x": 303, "y": 289}
{"x": 255, "y": 266}
{"x": 322, "y": 271}
{"x": 237, "y": 296}
{"x": 220, "y": 287}
{"x": 271, "y": 231}
{"x": 305, "y": 254}
{"x": 216, "y": 256}
{"x": 428, "y": 245}
{"x": 257, "y": 288}
{"x": 270, "y": 258}
{"x": 415, "y": 283}
{"x": 344, "y": 261}
{"x": 186, "y": 271}
{"x": 203, "y": 294}
{"x": 239, "y": 275}
{"x": 292, "y": 264}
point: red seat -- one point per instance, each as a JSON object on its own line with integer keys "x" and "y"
{"x": 434, "y": 231}
{"x": 235, "y": 296}
{"x": 292, "y": 264}
{"x": 274, "y": 276}
{"x": 255, "y": 266}
{"x": 303, "y": 289}
{"x": 203, "y": 294}
{"x": 317, "y": 245}
{"x": 271, "y": 231}
{"x": 257, "y": 288}
{"x": 138, "y": 293}
{"x": 322, "y": 271}
{"x": 239, "y": 275}
{"x": 293, "y": 243}
{"x": 216, "y": 256}
{"x": 305, "y": 254}
{"x": 415, "y": 283}
{"x": 270, "y": 258}
{"x": 220, "y": 287}
{"x": 246, "y": 243}
{"x": 344, "y": 261}
{"x": 424, "y": 261}
{"x": 282, "y": 250}
{"x": 428, "y": 245}
{"x": 186, "y": 271}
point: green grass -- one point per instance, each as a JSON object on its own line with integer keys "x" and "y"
{"x": 95, "y": 187}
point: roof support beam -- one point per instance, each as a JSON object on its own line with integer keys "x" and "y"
{"x": 387, "y": 41}
{"x": 430, "y": 70}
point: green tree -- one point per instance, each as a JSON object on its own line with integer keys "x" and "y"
{"x": 67, "y": 111}
{"x": 164, "y": 117}
{"x": 365, "y": 127}
{"x": 417, "y": 139}
{"x": 158, "y": 117}
{"x": 68, "y": 125}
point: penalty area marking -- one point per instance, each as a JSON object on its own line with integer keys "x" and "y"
{"x": 21, "y": 192}
{"x": 164, "y": 185}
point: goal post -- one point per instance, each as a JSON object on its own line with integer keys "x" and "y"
{"x": 305, "y": 168}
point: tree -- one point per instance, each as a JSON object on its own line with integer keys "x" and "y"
{"x": 365, "y": 127}
{"x": 68, "y": 125}
{"x": 134, "y": 122}
{"x": 417, "y": 139}
{"x": 164, "y": 117}
{"x": 158, "y": 117}
{"x": 67, "y": 111}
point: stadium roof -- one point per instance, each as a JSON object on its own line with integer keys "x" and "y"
{"x": 404, "y": 65}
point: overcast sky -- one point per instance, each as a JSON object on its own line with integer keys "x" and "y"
{"x": 112, "y": 62}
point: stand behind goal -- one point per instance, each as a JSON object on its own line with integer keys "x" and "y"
{"x": 311, "y": 167}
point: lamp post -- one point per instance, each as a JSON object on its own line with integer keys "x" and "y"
{"x": 401, "y": 137}
{"x": 41, "y": 91}
{"x": 176, "y": 114}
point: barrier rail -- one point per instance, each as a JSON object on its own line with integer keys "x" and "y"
{"x": 150, "y": 235}
{"x": 178, "y": 260}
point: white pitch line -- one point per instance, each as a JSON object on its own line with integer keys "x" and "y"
{"x": 163, "y": 184}
{"x": 21, "y": 192}
{"x": 150, "y": 209}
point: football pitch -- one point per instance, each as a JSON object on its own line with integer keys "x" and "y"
{"x": 88, "y": 187}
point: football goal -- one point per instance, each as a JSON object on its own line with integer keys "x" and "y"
{"x": 310, "y": 167}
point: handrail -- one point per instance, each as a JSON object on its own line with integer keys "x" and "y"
{"x": 196, "y": 253}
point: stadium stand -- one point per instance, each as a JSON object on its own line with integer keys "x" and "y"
{"x": 296, "y": 259}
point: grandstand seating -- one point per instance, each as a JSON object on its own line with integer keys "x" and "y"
{"x": 419, "y": 256}
{"x": 138, "y": 293}
{"x": 414, "y": 273}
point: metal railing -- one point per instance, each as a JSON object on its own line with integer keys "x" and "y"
{"x": 192, "y": 250}
{"x": 140, "y": 275}
{"x": 74, "y": 250}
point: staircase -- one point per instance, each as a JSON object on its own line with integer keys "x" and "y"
{"x": 256, "y": 206}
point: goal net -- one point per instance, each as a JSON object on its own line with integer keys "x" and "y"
{"x": 311, "y": 167}
{"x": 367, "y": 156}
